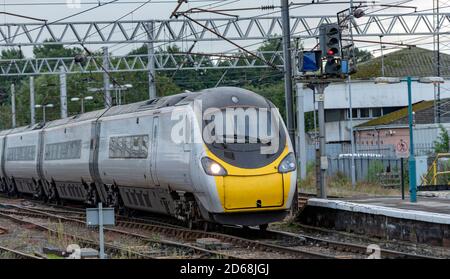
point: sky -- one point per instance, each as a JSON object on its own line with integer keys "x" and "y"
{"x": 52, "y": 10}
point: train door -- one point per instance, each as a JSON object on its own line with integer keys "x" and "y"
{"x": 154, "y": 150}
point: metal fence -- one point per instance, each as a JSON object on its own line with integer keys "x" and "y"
{"x": 334, "y": 150}
{"x": 368, "y": 160}
{"x": 365, "y": 168}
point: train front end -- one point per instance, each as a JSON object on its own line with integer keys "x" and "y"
{"x": 248, "y": 160}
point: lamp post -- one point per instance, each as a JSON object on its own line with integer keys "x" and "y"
{"x": 118, "y": 91}
{"x": 82, "y": 99}
{"x": 44, "y": 106}
{"x": 412, "y": 158}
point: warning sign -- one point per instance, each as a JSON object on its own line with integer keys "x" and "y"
{"x": 402, "y": 149}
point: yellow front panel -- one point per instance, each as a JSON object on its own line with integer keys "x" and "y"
{"x": 245, "y": 192}
{"x": 241, "y": 188}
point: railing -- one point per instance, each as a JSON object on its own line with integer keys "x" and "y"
{"x": 439, "y": 171}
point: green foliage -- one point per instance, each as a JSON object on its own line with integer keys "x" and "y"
{"x": 375, "y": 168}
{"x": 441, "y": 144}
{"x": 55, "y": 50}
{"x": 339, "y": 180}
{"x": 266, "y": 81}
{"x": 362, "y": 55}
{"x": 12, "y": 53}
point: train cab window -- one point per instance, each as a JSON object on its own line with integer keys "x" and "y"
{"x": 245, "y": 137}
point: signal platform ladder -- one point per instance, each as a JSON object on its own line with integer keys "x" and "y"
{"x": 438, "y": 174}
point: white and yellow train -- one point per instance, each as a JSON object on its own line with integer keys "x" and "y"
{"x": 161, "y": 156}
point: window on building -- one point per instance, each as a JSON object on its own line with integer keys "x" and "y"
{"x": 334, "y": 115}
{"x": 364, "y": 113}
{"x": 390, "y": 109}
{"x": 354, "y": 114}
{"x": 376, "y": 112}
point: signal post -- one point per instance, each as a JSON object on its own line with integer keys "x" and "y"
{"x": 317, "y": 69}
{"x": 319, "y": 87}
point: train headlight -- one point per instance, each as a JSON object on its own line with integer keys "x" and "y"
{"x": 213, "y": 168}
{"x": 288, "y": 164}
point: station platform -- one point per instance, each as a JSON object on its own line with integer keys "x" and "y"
{"x": 424, "y": 204}
{"x": 427, "y": 221}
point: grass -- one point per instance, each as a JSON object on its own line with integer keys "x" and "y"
{"x": 339, "y": 185}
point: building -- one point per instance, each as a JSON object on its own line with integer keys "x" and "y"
{"x": 393, "y": 129}
{"x": 371, "y": 101}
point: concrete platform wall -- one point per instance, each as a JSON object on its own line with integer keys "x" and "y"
{"x": 379, "y": 226}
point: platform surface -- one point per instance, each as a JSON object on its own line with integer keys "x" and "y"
{"x": 433, "y": 210}
{"x": 427, "y": 204}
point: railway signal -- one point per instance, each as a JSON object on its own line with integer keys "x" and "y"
{"x": 330, "y": 40}
{"x": 330, "y": 45}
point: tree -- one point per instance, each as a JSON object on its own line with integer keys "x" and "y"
{"x": 12, "y": 53}
{"x": 362, "y": 55}
{"x": 5, "y": 82}
{"x": 55, "y": 50}
{"x": 441, "y": 144}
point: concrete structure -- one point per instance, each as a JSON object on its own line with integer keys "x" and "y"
{"x": 427, "y": 221}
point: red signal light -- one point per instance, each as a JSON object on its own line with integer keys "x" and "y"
{"x": 330, "y": 52}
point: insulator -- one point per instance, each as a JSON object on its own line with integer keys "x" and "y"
{"x": 268, "y": 7}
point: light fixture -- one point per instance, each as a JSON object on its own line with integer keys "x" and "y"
{"x": 387, "y": 80}
{"x": 434, "y": 80}
{"x": 80, "y": 58}
{"x": 288, "y": 164}
{"x": 358, "y": 13}
{"x": 213, "y": 168}
{"x": 88, "y": 98}
{"x": 75, "y": 99}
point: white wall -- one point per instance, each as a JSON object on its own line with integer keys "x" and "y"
{"x": 338, "y": 131}
{"x": 366, "y": 94}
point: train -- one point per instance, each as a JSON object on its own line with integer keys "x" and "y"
{"x": 220, "y": 155}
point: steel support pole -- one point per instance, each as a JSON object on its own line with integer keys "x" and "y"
{"x": 301, "y": 131}
{"x": 352, "y": 136}
{"x": 438, "y": 28}
{"x": 412, "y": 159}
{"x": 32, "y": 102}
{"x": 288, "y": 69}
{"x": 402, "y": 179}
{"x": 63, "y": 91}
{"x": 151, "y": 62}
{"x": 13, "y": 105}
{"x": 106, "y": 83}
{"x": 320, "y": 88}
{"x": 349, "y": 79}
{"x": 100, "y": 230}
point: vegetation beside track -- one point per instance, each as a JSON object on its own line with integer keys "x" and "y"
{"x": 340, "y": 186}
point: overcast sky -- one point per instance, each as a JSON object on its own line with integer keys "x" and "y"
{"x": 52, "y": 10}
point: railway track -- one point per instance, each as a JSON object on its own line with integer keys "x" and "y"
{"x": 411, "y": 248}
{"x": 179, "y": 233}
{"x": 196, "y": 252}
{"x": 109, "y": 248}
{"x": 17, "y": 254}
{"x": 345, "y": 247}
{"x": 271, "y": 241}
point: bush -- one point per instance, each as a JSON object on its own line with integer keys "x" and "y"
{"x": 375, "y": 168}
{"x": 441, "y": 144}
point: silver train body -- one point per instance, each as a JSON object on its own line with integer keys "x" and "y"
{"x": 127, "y": 157}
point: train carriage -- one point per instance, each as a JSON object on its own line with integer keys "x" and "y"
{"x": 168, "y": 155}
